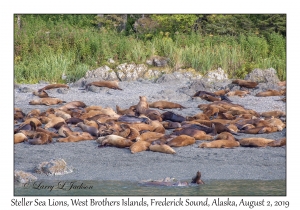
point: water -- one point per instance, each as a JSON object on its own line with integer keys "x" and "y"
{"x": 122, "y": 188}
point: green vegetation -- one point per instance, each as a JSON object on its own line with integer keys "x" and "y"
{"x": 48, "y": 46}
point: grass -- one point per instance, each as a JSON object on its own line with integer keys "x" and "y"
{"x": 46, "y": 51}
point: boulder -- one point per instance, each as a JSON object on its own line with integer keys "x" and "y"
{"x": 53, "y": 167}
{"x": 24, "y": 177}
{"x": 263, "y": 76}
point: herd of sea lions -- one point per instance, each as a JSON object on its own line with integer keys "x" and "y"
{"x": 144, "y": 126}
{"x": 149, "y": 126}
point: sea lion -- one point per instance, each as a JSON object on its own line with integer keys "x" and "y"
{"x": 269, "y": 93}
{"x": 197, "y": 178}
{"x": 41, "y": 94}
{"x": 153, "y": 114}
{"x": 77, "y": 137}
{"x": 222, "y": 143}
{"x": 129, "y": 111}
{"x": 171, "y": 125}
{"x": 19, "y": 137}
{"x": 197, "y": 134}
{"x": 142, "y": 106}
{"x": 139, "y": 146}
{"x": 225, "y": 136}
{"x": 201, "y": 93}
{"x": 109, "y": 84}
{"x": 157, "y": 126}
{"x": 275, "y": 113}
{"x": 73, "y": 120}
{"x": 18, "y": 114}
{"x": 93, "y": 107}
{"x": 165, "y": 105}
{"x": 114, "y": 140}
{"x": 149, "y": 136}
{"x": 164, "y": 148}
{"x": 62, "y": 114}
{"x": 141, "y": 127}
{"x": 245, "y": 83}
{"x": 255, "y": 142}
{"x": 133, "y": 119}
{"x": 240, "y": 93}
{"x": 46, "y": 101}
{"x": 72, "y": 105}
{"x": 172, "y": 117}
{"x": 221, "y": 92}
{"x": 181, "y": 140}
{"x": 33, "y": 113}
{"x": 89, "y": 129}
{"x": 210, "y": 98}
{"x": 36, "y": 121}
{"x": 277, "y": 143}
{"x": 52, "y": 86}
{"x": 55, "y": 122}
{"x": 40, "y": 138}
{"x": 199, "y": 116}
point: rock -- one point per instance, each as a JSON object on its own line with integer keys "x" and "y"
{"x": 263, "y": 76}
{"x": 54, "y": 167}
{"x": 130, "y": 72}
{"x": 159, "y": 61}
{"x": 62, "y": 90}
{"x": 24, "y": 177}
{"x": 102, "y": 73}
{"x": 25, "y": 90}
{"x": 174, "y": 77}
{"x": 216, "y": 75}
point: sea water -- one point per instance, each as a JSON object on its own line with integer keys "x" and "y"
{"x": 127, "y": 188}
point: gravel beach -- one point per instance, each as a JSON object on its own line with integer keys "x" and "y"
{"x": 110, "y": 163}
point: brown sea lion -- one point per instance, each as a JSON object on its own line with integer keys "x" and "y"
{"x": 277, "y": 143}
{"x": 41, "y": 94}
{"x": 33, "y": 113}
{"x": 52, "y": 86}
{"x": 139, "y": 146}
{"x": 72, "y": 105}
{"x": 114, "y": 140}
{"x": 181, "y": 140}
{"x": 225, "y": 136}
{"x": 109, "y": 84}
{"x": 220, "y": 144}
{"x": 142, "y": 106}
{"x": 269, "y": 93}
{"x": 129, "y": 111}
{"x": 199, "y": 116}
{"x": 221, "y": 92}
{"x": 77, "y": 137}
{"x": 46, "y": 101}
{"x": 210, "y": 98}
{"x": 275, "y": 113}
{"x": 74, "y": 120}
{"x": 164, "y": 148}
{"x": 260, "y": 130}
{"x": 201, "y": 93}
{"x": 255, "y": 142}
{"x": 40, "y": 138}
{"x": 149, "y": 136}
{"x": 165, "y": 105}
{"x": 19, "y": 137}
{"x": 153, "y": 114}
{"x": 36, "y": 121}
{"x": 157, "y": 126}
{"x": 141, "y": 126}
{"x": 55, "y": 122}
{"x": 245, "y": 83}
{"x": 197, "y": 134}
{"x": 240, "y": 93}
{"x": 93, "y": 107}
{"x": 197, "y": 178}
{"x": 62, "y": 114}
{"x": 18, "y": 114}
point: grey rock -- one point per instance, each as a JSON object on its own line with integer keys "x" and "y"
{"x": 263, "y": 76}
{"x": 24, "y": 177}
{"x": 102, "y": 73}
{"x": 216, "y": 75}
{"x": 62, "y": 90}
{"x": 53, "y": 167}
{"x": 25, "y": 90}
